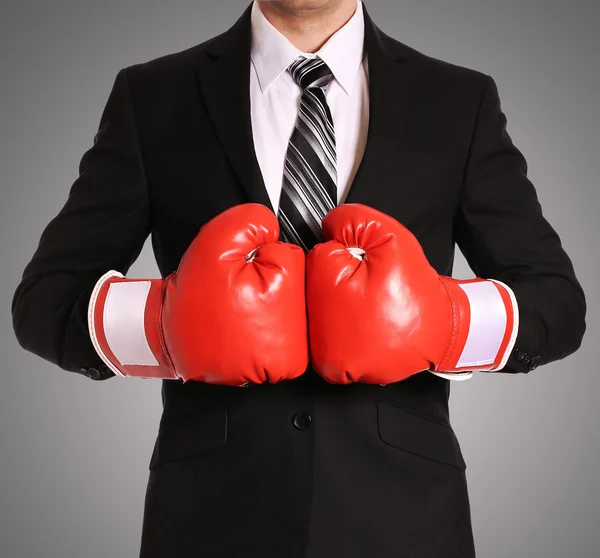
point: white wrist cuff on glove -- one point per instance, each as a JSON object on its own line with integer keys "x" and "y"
{"x": 122, "y": 322}
{"x": 488, "y": 326}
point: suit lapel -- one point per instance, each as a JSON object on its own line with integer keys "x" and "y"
{"x": 390, "y": 83}
{"x": 224, "y": 80}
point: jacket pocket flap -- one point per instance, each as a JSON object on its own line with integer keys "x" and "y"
{"x": 418, "y": 434}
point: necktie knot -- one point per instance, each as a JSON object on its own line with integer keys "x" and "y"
{"x": 310, "y": 72}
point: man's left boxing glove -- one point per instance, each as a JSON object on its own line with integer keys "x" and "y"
{"x": 233, "y": 313}
{"x": 378, "y": 312}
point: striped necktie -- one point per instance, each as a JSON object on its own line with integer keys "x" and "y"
{"x": 309, "y": 178}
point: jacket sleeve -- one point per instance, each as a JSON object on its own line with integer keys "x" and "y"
{"x": 103, "y": 225}
{"x": 501, "y": 231}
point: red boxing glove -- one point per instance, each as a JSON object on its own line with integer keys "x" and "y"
{"x": 378, "y": 312}
{"x": 233, "y": 313}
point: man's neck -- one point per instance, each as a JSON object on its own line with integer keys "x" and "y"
{"x": 308, "y": 29}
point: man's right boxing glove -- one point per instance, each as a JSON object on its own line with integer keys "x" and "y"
{"x": 233, "y": 313}
{"x": 378, "y": 312}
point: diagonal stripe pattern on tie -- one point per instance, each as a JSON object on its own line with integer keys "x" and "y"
{"x": 310, "y": 176}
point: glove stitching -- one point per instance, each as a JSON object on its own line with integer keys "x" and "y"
{"x": 455, "y": 326}
{"x": 161, "y": 338}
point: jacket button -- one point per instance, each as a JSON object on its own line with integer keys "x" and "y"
{"x": 519, "y": 354}
{"x": 93, "y": 373}
{"x": 101, "y": 373}
{"x": 535, "y": 362}
{"x": 302, "y": 421}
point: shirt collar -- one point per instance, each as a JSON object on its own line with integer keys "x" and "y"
{"x": 272, "y": 52}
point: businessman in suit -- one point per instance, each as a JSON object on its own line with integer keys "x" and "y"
{"x": 302, "y": 468}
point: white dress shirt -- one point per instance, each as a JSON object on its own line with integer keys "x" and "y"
{"x": 275, "y": 98}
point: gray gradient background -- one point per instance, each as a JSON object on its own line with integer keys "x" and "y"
{"x": 531, "y": 441}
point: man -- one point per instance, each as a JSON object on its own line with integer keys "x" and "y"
{"x": 302, "y": 467}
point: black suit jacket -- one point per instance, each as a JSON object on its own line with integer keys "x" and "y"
{"x": 302, "y": 468}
